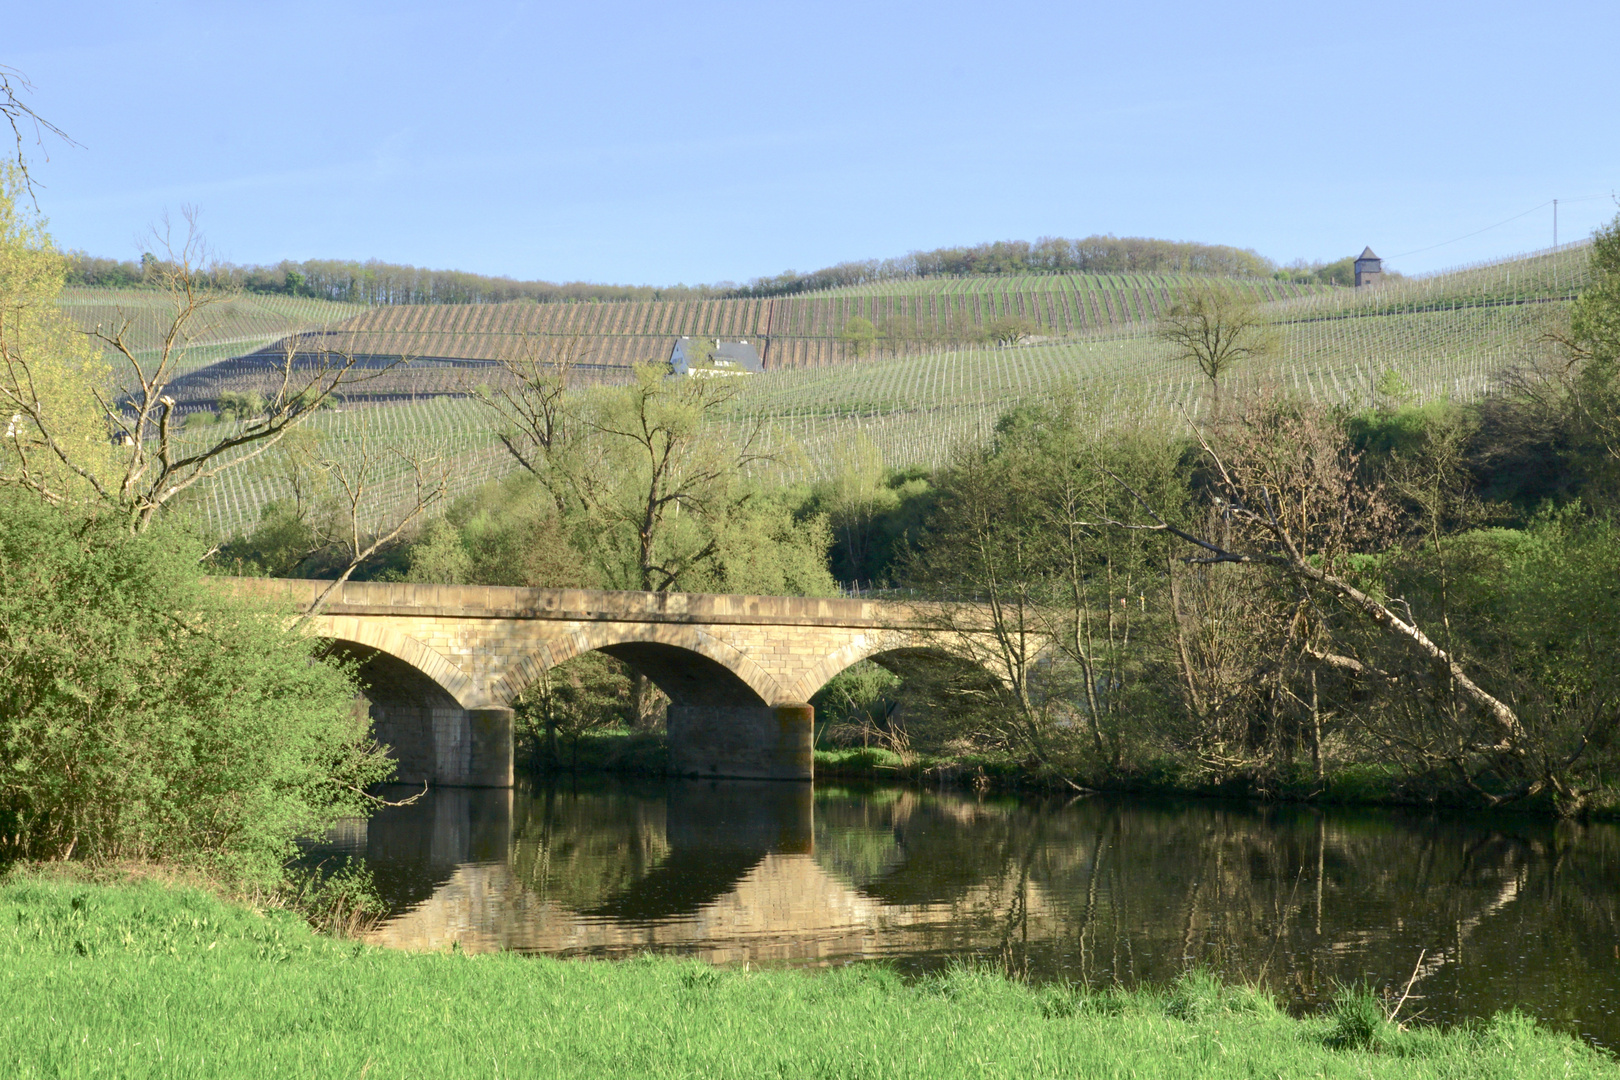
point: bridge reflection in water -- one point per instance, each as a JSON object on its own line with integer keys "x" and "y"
{"x": 726, "y": 871}
{"x": 1506, "y": 913}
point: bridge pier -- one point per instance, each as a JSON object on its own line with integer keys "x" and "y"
{"x": 745, "y": 742}
{"x": 489, "y": 757}
{"x": 440, "y": 743}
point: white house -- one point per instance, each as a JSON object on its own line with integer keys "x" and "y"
{"x": 695, "y": 357}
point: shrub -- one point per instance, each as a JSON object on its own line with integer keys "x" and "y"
{"x": 144, "y": 715}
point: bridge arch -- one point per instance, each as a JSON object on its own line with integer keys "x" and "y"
{"x": 686, "y": 662}
{"x": 361, "y": 638}
{"x": 424, "y": 709}
{"x": 870, "y": 646}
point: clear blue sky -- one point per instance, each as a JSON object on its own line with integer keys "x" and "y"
{"x": 657, "y": 143}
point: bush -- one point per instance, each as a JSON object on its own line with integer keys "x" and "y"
{"x": 144, "y": 715}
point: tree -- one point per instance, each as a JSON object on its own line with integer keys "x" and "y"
{"x": 664, "y": 455}
{"x": 1008, "y": 330}
{"x": 1592, "y": 344}
{"x": 151, "y": 462}
{"x": 859, "y": 334}
{"x": 986, "y": 553}
{"x": 21, "y": 116}
{"x": 1289, "y": 484}
{"x": 47, "y": 369}
{"x": 352, "y": 526}
{"x": 531, "y": 399}
{"x": 858, "y": 494}
{"x": 1217, "y": 330}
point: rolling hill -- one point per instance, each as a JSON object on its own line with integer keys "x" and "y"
{"x": 1446, "y": 335}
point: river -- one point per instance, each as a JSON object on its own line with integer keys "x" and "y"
{"x": 1477, "y": 913}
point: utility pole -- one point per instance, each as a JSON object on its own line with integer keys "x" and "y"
{"x": 1555, "y": 244}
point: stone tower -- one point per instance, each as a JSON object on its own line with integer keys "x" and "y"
{"x": 1369, "y": 268}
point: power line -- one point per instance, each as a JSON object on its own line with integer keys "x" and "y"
{"x": 1499, "y": 224}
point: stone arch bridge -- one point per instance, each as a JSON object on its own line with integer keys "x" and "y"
{"x": 442, "y": 664}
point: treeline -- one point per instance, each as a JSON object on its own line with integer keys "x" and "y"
{"x": 375, "y": 282}
{"x": 1048, "y": 255}
{"x": 372, "y": 282}
{"x": 1411, "y": 603}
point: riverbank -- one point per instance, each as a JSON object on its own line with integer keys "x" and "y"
{"x": 643, "y": 753}
{"x": 162, "y": 981}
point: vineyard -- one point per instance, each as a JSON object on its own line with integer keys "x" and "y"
{"x": 236, "y": 326}
{"x": 1448, "y": 336}
{"x": 449, "y": 436}
{"x": 793, "y": 332}
{"x": 1261, "y": 289}
{"x": 1444, "y": 337}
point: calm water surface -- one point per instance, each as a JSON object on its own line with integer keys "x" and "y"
{"x": 1503, "y": 912}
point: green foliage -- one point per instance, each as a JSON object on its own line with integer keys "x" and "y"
{"x": 144, "y": 715}
{"x": 591, "y": 692}
{"x": 1539, "y": 608}
{"x": 859, "y": 333}
{"x": 862, "y": 694}
{"x": 1008, "y": 330}
{"x": 233, "y": 406}
{"x": 229, "y": 976}
{"x": 439, "y": 557}
{"x": 1018, "y": 535}
{"x": 1399, "y": 432}
{"x": 43, "y": 360}
{"x": 874, "y": 512}
{"x": 770, "y": 543}
{"x": 1338, "y": 272}
{"x": 279, "y": 547}
{"x": 505, "y": 533}
{"x": 1359, "y": 1020}
{"x": 1595, "y": 321}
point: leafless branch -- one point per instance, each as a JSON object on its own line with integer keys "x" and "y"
{"x": 358, "y": 479}
{"x": 22, "y": 118}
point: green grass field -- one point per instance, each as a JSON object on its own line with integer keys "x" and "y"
{"x": 153, "y": 981}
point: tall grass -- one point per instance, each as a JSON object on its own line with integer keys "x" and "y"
{"x": 147, "y": 981}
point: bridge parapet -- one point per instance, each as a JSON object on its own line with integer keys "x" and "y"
{"x": 597, "y": 605}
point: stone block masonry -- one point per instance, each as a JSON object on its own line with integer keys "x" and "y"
{"x": 443, "y": 663}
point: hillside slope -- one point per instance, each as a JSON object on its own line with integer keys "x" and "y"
{"x": 1447, "y": 336}
{"x": 792, "y": 331}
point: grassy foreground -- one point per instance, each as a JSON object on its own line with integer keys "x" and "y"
{"x": 149, "y": 980}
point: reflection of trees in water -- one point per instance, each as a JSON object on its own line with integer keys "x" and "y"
{"x": 575, "y": 848}
{"x": 1104, "y": 891}
{"x": 638, "y": 858}
{"x": 1097, "y": 890}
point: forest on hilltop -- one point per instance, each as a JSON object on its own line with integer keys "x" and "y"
{"x": 374, "y": 282}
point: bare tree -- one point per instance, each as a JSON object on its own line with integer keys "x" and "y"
{"x": 155, "y": 462}
{"x": 362, "y": 481}
{"x": 1217, "y": 330}
{"x": 1294, "y": 493}
{"x": 24, "y": 120}
{"x": 531, "y": 397}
